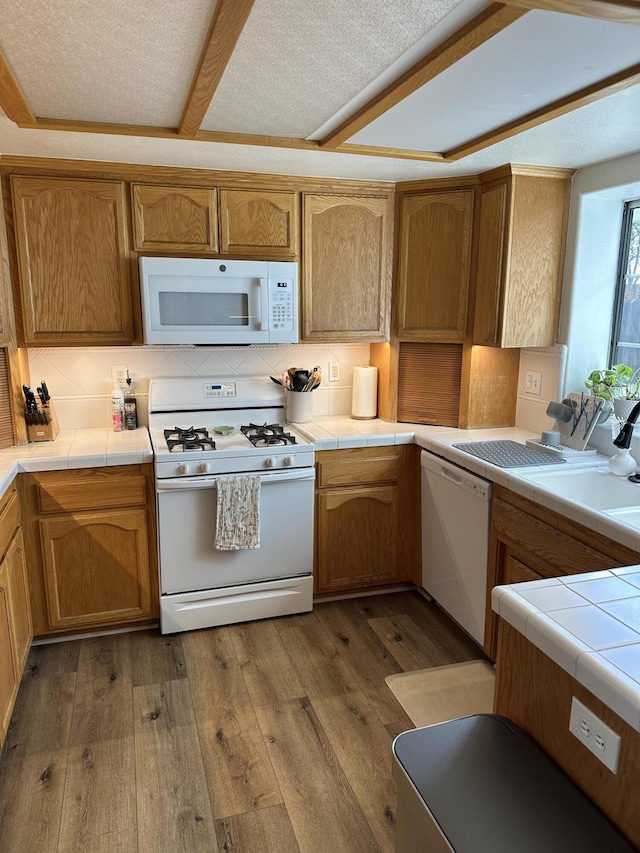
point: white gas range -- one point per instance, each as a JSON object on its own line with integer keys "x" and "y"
{"x": 204, "y": 429}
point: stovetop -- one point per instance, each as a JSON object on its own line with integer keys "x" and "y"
{"x": 229, "y": 425}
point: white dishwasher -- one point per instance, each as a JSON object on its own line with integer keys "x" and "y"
{"x": 455, "y": 540}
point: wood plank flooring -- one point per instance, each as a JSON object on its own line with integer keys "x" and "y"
{"x": 263, "y": 737}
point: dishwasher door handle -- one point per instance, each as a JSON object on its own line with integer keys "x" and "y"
{"x": 449, "y": 474}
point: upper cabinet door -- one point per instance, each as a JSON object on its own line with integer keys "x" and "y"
{"x": 72, "y": 248}
{"x": 434, "y": 265}
{"x": 346, "y": 268}
{"x": 259, "y": 223}
{"x": 174, "y": 219}
{"x": 523, "y": 220}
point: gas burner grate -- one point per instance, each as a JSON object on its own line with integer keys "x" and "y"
{"x": 191, "y": 438}
{"x": 265, "y": 435}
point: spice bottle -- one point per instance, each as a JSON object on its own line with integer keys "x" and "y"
{"x": 130, "y": 406}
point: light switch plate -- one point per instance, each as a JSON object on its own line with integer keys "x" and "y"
{"x": 599, "y": 739}
{"x": 533, "y": 382}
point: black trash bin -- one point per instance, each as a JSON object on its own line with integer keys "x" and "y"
{"x": 481, "y": 785}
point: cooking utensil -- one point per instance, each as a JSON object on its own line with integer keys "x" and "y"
{"x": 226, "y": 430}
{"x": 45, "y": 391}
{"x": 276, "y": 380}
{"x": 299, "y": 380}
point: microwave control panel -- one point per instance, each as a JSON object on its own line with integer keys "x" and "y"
{"x": 281, "y": 306}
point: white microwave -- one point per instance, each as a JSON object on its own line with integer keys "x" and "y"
{"x": 206, "y": 301}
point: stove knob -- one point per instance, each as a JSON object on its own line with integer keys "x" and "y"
{"x": 268, "y": 462}
{"x": 184, "y": 468}
{"x": 288, "y": 461}
{"x": 204, "y": 467}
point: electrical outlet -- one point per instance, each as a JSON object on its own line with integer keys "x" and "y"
{"x": 334, "y": 371}
{"x": 533, "y": 383}
{"x": 602, "y": 741}
{"x": 119, "y": 374}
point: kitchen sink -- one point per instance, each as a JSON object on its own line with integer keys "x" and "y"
{"x": 596, "y": 488}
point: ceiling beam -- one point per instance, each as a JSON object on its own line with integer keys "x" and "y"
{"x": 12, "y": 99}
{"x": 227, "y": 23}
{"x": 621, "y": 11}
{"x": 477, "y": 31}
{"x": 604, "y": 88}
{"x": 224, "y": 138}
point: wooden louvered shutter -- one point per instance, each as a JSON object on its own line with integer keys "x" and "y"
{"x": 6, "y": 424}
{"x": 429, "y": 383}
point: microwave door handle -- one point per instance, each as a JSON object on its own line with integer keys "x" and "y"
{"x": 263, "y": 284}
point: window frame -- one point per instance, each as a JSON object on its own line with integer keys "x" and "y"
{"x": 623, "y": 261}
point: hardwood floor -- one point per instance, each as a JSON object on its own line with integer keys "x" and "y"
{"x": 262, "y": 737}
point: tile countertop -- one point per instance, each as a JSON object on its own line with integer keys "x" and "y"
{"x": 589, "y": 625}
{"x": 80, "y": 448}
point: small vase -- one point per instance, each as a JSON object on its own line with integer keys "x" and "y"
{"x": 623, "y": 463}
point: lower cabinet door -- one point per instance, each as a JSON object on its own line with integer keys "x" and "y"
{"x": 96, "y": 568}
{"x": 19, "y": 600}
{"x": 8, "y": 669}
{"x": 357, "y": 537}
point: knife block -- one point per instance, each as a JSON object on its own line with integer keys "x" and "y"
{"x": 45, "y": 432}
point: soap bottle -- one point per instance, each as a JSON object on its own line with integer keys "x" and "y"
{"x": 117, "y": 408}
{"x": 130, "y": 410}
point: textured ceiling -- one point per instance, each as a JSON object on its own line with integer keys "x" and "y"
{"x": 539, "y": 59}
{"x": 299, "y": 69}
{"x": 106, "y": 61}
{"x": 296, "y": 64}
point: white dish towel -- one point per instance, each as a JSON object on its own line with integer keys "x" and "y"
{"x": 238, "y": 513}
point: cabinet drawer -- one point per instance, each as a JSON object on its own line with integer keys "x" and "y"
{"x": 344, "y": 472}
{"x": 9, "y": 520}
{"x": 76, "y": 495}
{"x": 548, "y": 551}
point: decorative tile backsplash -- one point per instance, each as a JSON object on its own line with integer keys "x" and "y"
{"x": 79, "y": 378}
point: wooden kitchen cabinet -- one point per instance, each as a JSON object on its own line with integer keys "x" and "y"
{"x": 523, "y": 220}
{"x": 15, "y": 612}
{"x": 93, "y": 559}
{"x": 346, "y": 269}
{"x": 434, "y": 265}
{"x": 367, "y": 518}
{"x": 72, "y": 249}
{"x": 529, "y": 542}
{"x": 259, "y": 223}
{"x": 174, "y": 219}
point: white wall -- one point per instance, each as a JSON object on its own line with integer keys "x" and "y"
{"x": 593, "y": 240}
{"x": 79, "y": 378}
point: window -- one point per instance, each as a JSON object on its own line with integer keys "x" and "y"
{"x": 625, "y": 345}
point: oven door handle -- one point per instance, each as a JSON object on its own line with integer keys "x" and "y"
{"x": 193, "y": 483}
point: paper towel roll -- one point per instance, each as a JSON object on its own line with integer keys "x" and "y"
{"x": 364, "y": 398}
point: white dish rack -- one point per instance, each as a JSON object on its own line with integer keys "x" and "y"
{"x": 561, "y": 451}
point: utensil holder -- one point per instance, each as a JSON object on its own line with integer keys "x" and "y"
{"x": 298, "y": 406}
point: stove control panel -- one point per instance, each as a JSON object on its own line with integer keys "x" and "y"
{"x": 224, "y": 389}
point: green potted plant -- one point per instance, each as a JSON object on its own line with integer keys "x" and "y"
{"x": 619, "y": 385}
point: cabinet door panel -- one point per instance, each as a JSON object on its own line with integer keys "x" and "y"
{"x": 346, "y": 273}
{"x": 96, "y": 567}
{"x": 435, "y": 265}
{"x": 19, "y": 600}
{"x": 174, "y": 219}
{"x": 259, "y": 223}
{"x": 8, "y": 669}
{"x": 72, "y": 253}
{"x": 491, "y": 249}
{"x": 357, "y": 530}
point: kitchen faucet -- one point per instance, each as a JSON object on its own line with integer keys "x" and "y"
{"x": 623, "y": 439}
